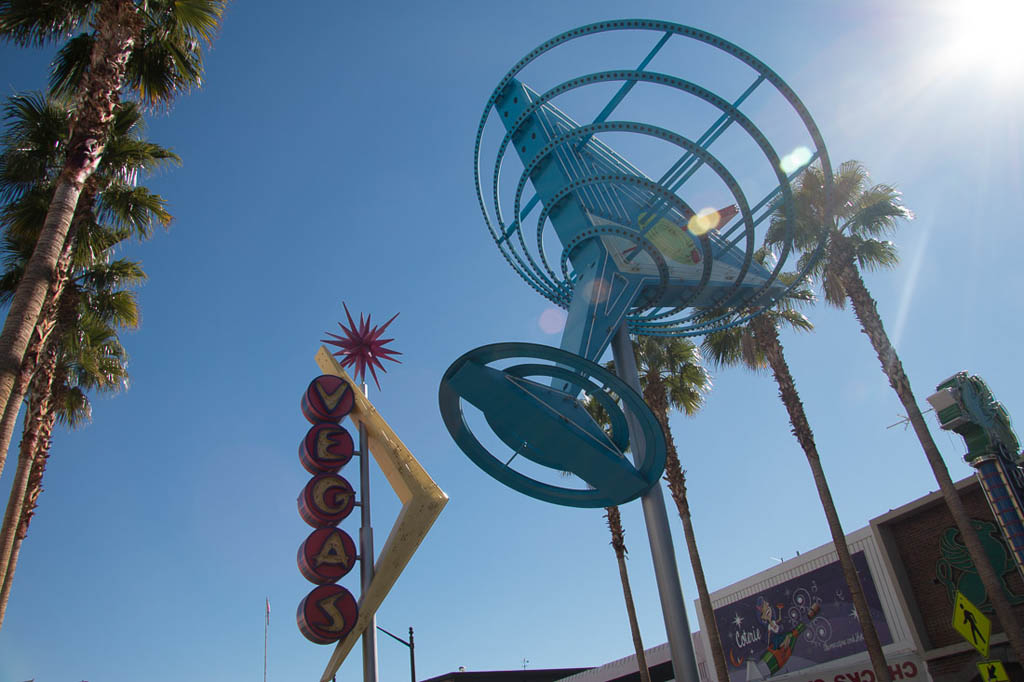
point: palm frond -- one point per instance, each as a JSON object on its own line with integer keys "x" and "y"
{"x": 199, "y": 18}
{"x": 876, "y": 212}
{"x": 38, "y": 22}
{"x": 73, "y": 408}
{"x": 832, "y": 286}
{"x": 873, "y": 254}
{"x": 134, "y": 209}
{"x": 70, "y": 65}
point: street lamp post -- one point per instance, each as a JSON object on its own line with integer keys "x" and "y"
{"x": 412, "y": 649}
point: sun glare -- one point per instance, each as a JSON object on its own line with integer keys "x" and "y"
{"x": 985, "y": 38}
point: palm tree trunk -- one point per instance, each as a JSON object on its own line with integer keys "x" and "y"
{"x": 656, "y": 399}
{"x": 871, "y": 323}
{"x": 41, "y": 387}
{"x": 767, "y": 337}
{"x": 116, "y": 26}
{"x": 619, "y": 545}
{"x": 41, "y": 453}
{"x": 42, "y": 334}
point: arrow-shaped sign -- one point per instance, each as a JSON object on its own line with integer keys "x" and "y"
{"x": 422, "y": 502}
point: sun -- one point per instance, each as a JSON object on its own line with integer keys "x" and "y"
{"x": 984, "y": 37}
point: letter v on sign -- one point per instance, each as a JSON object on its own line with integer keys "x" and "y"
{"x": 422, "y": 502}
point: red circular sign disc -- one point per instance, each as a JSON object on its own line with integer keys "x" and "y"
{"x": 326, "y": 447}
{"x": 327, "y": 614}
{"x": 327, "y": 399}
{"x": 326, "y": 500}
{"x": 327, "y": 555}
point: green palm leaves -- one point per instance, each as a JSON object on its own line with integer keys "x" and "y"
{"x": 150, "y": 50}
{"x": 862, "y": 213}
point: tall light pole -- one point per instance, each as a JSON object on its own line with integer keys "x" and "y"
{"x": 412, "y": 649}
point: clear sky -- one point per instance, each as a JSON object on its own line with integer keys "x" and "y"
{"x": 328, "y": 158}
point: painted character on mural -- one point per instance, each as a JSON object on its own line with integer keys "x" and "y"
{"x": 780, "y": 642}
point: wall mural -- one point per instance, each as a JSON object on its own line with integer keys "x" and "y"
{"x": 803, "y": 622}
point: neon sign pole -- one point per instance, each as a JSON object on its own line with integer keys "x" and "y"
{"x": 362, "y": 347}
{"x": 366, "y": 552}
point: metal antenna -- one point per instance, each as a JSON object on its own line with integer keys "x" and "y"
{"x": 906, "y": 420}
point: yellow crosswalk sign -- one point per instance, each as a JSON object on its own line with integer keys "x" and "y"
{"x": 971, "y": 623}
{"x": 993, "y": 671}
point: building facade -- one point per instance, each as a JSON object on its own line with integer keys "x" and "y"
{"x": 795, "y": 622}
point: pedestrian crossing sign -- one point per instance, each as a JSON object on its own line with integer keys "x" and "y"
{"x": 993, "y": 671}
{"x": 971, "y": 623}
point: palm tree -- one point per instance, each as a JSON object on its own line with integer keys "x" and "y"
{"x": 862, "y": 213}
{"x": 91, "y": 358}
{"x": 673, "y": 378}
{"x": 152, "y": 48}
{"x": 756, "y": 345}
{"x": 619, "y": 546}
{"x": 113, "y": 208}
{"x": 85, "y": 353}
{"x": 35, "y": 138}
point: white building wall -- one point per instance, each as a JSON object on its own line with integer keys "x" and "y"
{"x": 902, "y": 649}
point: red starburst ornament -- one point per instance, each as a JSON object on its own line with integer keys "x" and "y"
{"x": 362, "y": 347}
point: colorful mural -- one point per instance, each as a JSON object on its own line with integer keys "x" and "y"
{"x": 805, "y": 621}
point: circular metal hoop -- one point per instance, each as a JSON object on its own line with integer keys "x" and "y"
{"x": 698, "y": 308}
{"x": 588, "y": 377}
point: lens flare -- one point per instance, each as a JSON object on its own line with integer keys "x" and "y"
{"x": 795, "y": 159}
{"x": 704, "y": 220}
{"x": 552, "y": 321}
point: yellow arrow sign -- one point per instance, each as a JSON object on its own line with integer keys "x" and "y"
{"x": 422, "y": 501}
{"x": 993, "y": 671}
{"x": 971, "y": 623}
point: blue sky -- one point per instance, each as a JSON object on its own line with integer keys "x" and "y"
{"x": 328, "y": 158}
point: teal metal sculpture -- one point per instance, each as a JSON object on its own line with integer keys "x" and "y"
{"x": 634, "y": 251}
{"x": 630, "y": 233}
{"x": 965, "y": 404}
{"x": 636, "y": 255}
{"x": 551, "y": 427}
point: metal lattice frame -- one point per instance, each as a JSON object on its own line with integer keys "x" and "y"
{"x": 736, "y": 304}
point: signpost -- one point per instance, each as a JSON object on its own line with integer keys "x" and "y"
{"x": 971, "y": 623}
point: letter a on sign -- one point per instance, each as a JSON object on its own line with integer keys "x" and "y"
{"x": 971, "y": 623}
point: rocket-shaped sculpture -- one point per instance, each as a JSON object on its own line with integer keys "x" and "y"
{"x": 630, "y": 242}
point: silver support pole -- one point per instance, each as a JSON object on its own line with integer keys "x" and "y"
{"x": 366, "y": 553}
{"x": 684, "y": 663}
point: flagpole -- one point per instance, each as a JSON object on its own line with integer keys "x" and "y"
{"x": 266, "y": 629}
